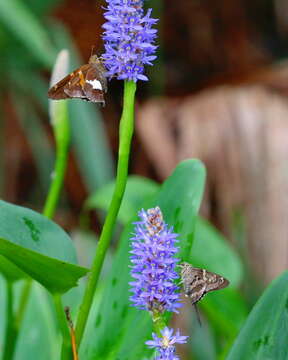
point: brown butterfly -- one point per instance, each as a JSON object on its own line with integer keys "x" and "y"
{"x": 87, "y": 82}
{"x": 198, "y": 282}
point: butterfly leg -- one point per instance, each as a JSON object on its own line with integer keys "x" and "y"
{"x": 197, "y": 313}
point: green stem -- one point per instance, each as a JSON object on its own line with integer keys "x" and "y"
{"x": 60, "y": 122}
{"x": 62, "y": 137}
{"x": 125, "y": 136}
{"x": 11, "y": 331}
{"x": 159, "y": 322}
{"x": 66, "y": 353}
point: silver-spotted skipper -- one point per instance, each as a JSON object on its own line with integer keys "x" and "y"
{"x": 87, "y": 82}
{"x": 198, "y": 282}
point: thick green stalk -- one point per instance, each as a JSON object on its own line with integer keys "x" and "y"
{"x": 11, "y": 331}
{"x": 125, "y": 136}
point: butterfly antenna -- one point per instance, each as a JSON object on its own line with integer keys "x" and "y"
{"x": 197, "y": 314}
{"x": 92, "y": 49}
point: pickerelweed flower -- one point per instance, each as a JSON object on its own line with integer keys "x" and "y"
{"x": 153, "y": 258}
{"x": 128, "y": 39}
{"x": 165, "y": 345}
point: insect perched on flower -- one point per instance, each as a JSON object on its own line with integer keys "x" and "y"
{"x": 198, "y": 282}
{"x": 154, "y": 264}
{"x": 88, "y": 82}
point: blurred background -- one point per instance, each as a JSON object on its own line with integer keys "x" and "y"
{"x": 218, "y": 92}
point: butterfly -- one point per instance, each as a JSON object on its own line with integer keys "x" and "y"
{"x": 88, "y": 82}
{"x": 198, "y": 282}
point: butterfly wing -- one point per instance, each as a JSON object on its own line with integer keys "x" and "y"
{"x": 95, "y": 85}
{"x": 87, "y": 82}
{"x": 57, "y": 92}
{"x": 215, "y": 282}
{"x": 71, "y": 86}
{"x": 197, "y": 282}
{"x": 75, "y": 87}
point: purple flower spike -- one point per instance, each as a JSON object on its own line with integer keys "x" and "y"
{"x": 153, "y": 270}
{"x": 165, "y": 345}
{"x": 129, "y": 39}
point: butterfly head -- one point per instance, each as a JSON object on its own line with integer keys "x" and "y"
{"x": 185, "y": 268}
{"x": 94, "y": 59}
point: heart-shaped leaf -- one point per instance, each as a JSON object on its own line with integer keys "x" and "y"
{"x": 38, "y": 247}
{"x": 57, "y": 276}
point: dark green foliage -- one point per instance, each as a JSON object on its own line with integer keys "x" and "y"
{"x": 38, "y": 247}
{"x": 264, "y": 335}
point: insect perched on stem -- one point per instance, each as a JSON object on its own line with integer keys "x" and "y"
{"x": 88, "y": 82}
{"x": 198, "y": 282}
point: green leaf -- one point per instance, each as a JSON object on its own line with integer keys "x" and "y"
{"x": 226, "y": 311}
{"x": 212, "y": 252}
{"x": 180, "y": 199}
{"x": 129, "y": 328}
{"x": 138, "y": 189}
{"x": 55, "y": 275}
{"x": 264, "y": 335}
{"x": 25, "y": 26}
{"x": 202, "y": 335}
{"x": 29, "y": 229}
{"x": 38, "y": 337}
{"x": 38, "y": 330}
{"x": 10, "y": 271}
{"x": 38, "y": 247}
{"x": 42, "y": 7}
{"x": 3, "y": 311}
